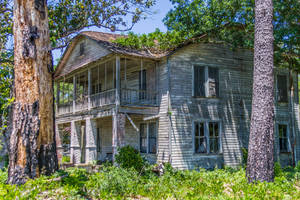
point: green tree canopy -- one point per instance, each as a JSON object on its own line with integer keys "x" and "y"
{"x": 229, "y": 21}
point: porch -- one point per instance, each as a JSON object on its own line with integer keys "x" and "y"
{"x": 113, "y": 81}
{"x": 96, "y": 139}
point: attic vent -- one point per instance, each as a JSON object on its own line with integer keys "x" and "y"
{"x": 81, "y": 49}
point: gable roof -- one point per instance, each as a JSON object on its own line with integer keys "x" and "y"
{"x": 106, "y": 41}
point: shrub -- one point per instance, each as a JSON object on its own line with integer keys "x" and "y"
{"x": 129, "y": 157}
{"x": 65, "y": 159}
{"x": 277, "y": 169}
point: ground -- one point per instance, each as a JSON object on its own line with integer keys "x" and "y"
{"x": 109, "y": 182}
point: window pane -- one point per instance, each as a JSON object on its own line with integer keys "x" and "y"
{"x": 152, "y": 145}
{"x": 152, "y": 137}
{"x": 201, "y": 129}
{"x": 199, "y": 80}
{"x": 283, "y": 138}
{"x": 214, "y": 137}
{"x": 214, "y": 145}
{"x": 213, "y": 82}
{"x": 143, "y": 138}
{"x": 152, "y": 130}
{"x": 98, "y": 140}
{"x": 282, "y": 88}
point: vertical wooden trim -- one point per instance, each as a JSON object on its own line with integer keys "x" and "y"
{"x": 206, "y": 133}
{"x": 147, "y": 137}
{"x": 206, "y": 84}
{"x": 193, "y": 80}
{"x": 220, "y": 137}
{"x": 74, "y": 93}
{"x": 193, "y": 136}
{"x": 117, "y": 82}
{"x": 105, "y": 76}
{"x": 125, "y": 71}
{"x": 89, "y": 88}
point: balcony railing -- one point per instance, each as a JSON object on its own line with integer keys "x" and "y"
{"x": 129, "y": 97}
{"x": 104, "y": 98}
{"x": 138, "y": 97}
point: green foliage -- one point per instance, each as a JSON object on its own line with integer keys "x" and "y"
{"x": 155, "y": 42}
{"x": 233, "y": 21}
{"x": 65, "y": 159}
{"x": 128, "y": 157}
{"x": 112, "y": 182}
{"x": 245, "y": 156}
{"x": 277, "y": 169}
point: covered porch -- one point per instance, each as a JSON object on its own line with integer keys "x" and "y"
{"x": 97, "y": 139}
{"x": 119, "y": 80}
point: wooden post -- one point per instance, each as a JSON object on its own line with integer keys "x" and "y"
{"x": 117, "y": 83}
{"x": 116, "y": 122}
{"x": 89, "y": 89}
{"x": 74, "y": 94}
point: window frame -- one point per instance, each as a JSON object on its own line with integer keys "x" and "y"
{"x": 206, "y": 81}
{"x": 287, "y": 88}
{"x": 147, "y": 137}
{"x": 289, "y": 148}
{"x": 207, "y": 136}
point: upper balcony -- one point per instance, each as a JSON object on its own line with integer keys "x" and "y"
{"x": 115, "y": 81}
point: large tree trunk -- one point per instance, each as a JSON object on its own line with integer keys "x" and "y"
{"x": 261, "y": 142}
{"x": 32, "y": 142}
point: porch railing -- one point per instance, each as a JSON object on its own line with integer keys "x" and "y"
{"x": 64, "y": 108}
{"x": 82, "y": 103}
{"x": 138, "y": 97}
{"x": 131, "y": 97}
{"x": 104, "y": 98}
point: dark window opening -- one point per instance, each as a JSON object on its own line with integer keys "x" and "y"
{"x": 282, "y": 94}
{"x": 283, "y": 138}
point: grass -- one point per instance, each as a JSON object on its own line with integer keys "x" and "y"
{"x": 117, "y": 183}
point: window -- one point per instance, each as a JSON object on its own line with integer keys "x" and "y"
{"x": 142, "y": 84}
{"x": 207, "y": 137}
{"x": 81, "y": 49}
{"x": 282, "y": 95}
{"x": 98, "y": 140}
{"x": 205, "y": 81}
{"x": 283, "y": 138}
{"x": 148, "y": 132}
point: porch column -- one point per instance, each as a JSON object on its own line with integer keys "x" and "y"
{"x": 118, "y": 77}
{"x": 89, "y": 88}
{"x": 91, "y": 137}
{"x": 74, "y": 93}
{"x": 118, "y": 134}
{"x": 59, "y": 147}
{"x": 75, "y": 153}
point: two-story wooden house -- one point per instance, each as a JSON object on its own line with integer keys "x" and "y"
{"x": 190, "y": 107}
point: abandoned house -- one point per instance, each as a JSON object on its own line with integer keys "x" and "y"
{"x": 190, "y": 106}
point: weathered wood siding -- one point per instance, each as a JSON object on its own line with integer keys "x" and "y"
{"x": 232, "y": 108}
{"x": 163, "y": 153}
{"x": 92, "y": 52}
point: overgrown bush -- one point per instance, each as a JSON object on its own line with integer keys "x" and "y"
{"x": 65, "y": 159}
{"x": 128, "y": 157}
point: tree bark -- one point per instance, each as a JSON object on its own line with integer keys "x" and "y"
{"x": 32, "y": 142}
{"x": 260, "y": 165}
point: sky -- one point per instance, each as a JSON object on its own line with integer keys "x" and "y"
{"x": 148, "y": 25}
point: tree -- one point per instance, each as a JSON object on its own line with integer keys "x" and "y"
{"x": 260, "y": 165}
{"x": 32, "y": 139}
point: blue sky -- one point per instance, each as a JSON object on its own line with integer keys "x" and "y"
{"x": 152, "y": 22}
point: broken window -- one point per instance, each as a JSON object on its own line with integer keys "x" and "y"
{"x": 282, "y": 94}
{"x": 206, "y": 137}
{"x": 206, "y": 81}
